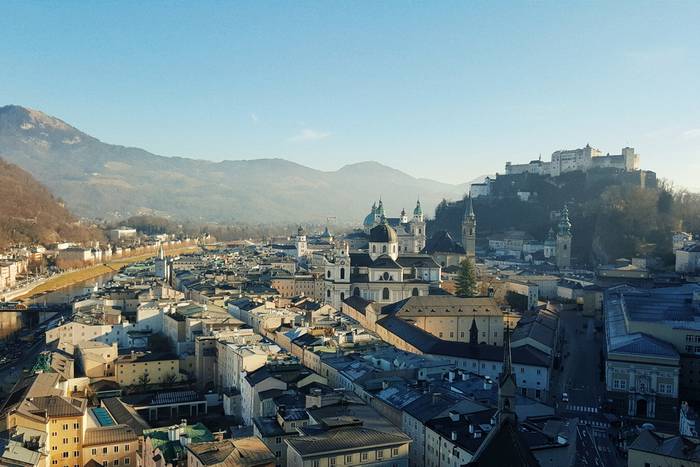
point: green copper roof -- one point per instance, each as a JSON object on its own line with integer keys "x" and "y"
{"x": 198, "y": 433}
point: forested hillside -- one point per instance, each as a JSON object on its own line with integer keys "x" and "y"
{"x": 613, "y": 216}
{"x": 29, "y": 213}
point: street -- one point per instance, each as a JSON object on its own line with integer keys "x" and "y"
{"x": 580, "y": 379}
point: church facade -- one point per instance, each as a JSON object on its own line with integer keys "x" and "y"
{"x": 410, "y": 231}
{"x": 388, "y": 271}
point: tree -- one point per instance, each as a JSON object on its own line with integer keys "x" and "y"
{"x": 144, "y": 380}
{"x": 466, "y": 279}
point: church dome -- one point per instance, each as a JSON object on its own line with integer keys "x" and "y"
{"x": 418, "y": 211}
{"x": 369, "y": 220}
{"x": 383, "y": 233}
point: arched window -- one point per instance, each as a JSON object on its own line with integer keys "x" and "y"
{"x": 385, "y": 293}
{"x": 414, "y": 292}
{"x": 356, "y": 292}
{"x": 342, "y": 273}
{"x": 383, "y": 248}
{"x": 342, "y": 296}
{"x": 328, "y": 293}
{"x": 328, "y": 274}
{"x": 374, "y": 248}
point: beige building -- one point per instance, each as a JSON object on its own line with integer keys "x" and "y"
{"x": 444, "y": 316}
{"x": 97, "y": 359}
{"x": 131, "y": 369}
{"x": 116, "y": 445}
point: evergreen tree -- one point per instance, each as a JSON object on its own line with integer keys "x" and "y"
{"x": 466, "y": 279}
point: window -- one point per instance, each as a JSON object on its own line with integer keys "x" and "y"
{"x": 328, "y": 274}
{"x": 380, "y": 454}
{"x": 65, "y": 454}
{"x": 332, "y": 461}
{"x": 116, "y": 448}
{"x": 76, "y": 439}
{"x": 127, "y": 461}
{"x": 328, "y": 293}
{"x": 65, "y": 440}
{"x": 316, "y": 463}
{"x": 54, "y": 462}
{"x": 395, "y": 452}
{"x": 94, "y": 451}
{"x": 383, "y": 248}
{"x": 385, "y": 293}
{"x": 342, "y": 273}
{"x": 116, "y": 461}
{"x": 76, "y": 453}
{"x": 348, "y": 459}
{"x": 104, "y": 450}
{"x": 278, "y": 440}
{"x": 65, "y": 426}
{"x": 364, "y": 456}
{"x": 126, "y": 448}
{"x": 76, "y": 426}
{"x": 374, "y": 248}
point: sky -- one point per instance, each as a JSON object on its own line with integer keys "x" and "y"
{"x": 438, "y": 89}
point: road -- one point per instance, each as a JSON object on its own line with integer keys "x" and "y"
{"x": 580, "y": 379}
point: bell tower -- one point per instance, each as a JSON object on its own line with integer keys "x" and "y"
{"x": 563, "y": 253}
{"x": 469, "y": 229}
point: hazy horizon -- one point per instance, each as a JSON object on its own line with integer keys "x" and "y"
{"x": 446, "y": 91}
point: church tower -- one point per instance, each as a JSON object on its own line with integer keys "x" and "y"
{"x": 302, "y": 249}
{"x": 418, "y": 228}
{"x": 469, "y": 229}
{"x": 563, "y": 255}
{"x": 507, "y": 386}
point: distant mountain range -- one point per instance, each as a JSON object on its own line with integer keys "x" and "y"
{"x": 29, "y": 213}
{"x": 103, "y": 180}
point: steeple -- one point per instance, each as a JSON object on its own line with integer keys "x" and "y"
{"x": 469, "y": 229}
{"x": 474, "y": 333}
{"x": 507, "y": 386}
{"x": 470, "y": 208}
{"x": 418, "y": 211}
{"x": 161, "y": 253}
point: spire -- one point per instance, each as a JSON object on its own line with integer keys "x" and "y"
{"x": 161, "y": 253}
{"x": 507, "y": 358}
{"x": 474, "y": 332}
{"x": 507, "y": 386}
{"x": 470, "y": 208}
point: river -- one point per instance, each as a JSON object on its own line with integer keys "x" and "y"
{"x": 12, "y": 321}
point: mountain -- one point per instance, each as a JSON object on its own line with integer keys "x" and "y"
{"x": 102, "y": 180}
{"x": 29, "y": 213}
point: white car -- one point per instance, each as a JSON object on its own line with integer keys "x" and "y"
{"x": 564, "y": 397}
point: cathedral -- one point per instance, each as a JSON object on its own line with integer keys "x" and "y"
{"x": 409, "y": 231}
{"x": 389, "y": 269}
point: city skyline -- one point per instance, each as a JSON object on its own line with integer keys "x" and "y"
{"x": 418, "y": 88}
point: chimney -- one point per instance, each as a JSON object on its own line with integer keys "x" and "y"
{"x": 184, "y": 439}
{"x": 471, "y": 428}
{"x": 436, "y": 397}
{"x": 454, "y": 436}
{"x": 454, "y": 416}
{"x": 451, "y": 376}
{"x": 218, "y": 435}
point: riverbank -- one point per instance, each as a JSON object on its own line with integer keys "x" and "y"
{"x": 80, "y": 275}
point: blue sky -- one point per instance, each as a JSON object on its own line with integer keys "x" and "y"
{"x": 446, "y": 90}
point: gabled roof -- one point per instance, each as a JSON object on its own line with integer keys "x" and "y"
{"x": 243, "y": 452}
{"x": 504, "y": 446}
{"x": 345, "y": 438}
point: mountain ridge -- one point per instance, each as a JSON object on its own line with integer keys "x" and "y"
{"x": 103, "y": 180}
